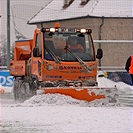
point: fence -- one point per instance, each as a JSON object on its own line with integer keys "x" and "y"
{"x": 115, "y": 53}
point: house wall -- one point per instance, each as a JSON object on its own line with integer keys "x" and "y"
{"x": 115, "y": 54}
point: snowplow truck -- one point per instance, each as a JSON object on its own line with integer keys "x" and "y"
{"x": 48, "y": 64}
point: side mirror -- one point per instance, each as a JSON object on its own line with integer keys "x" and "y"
{"x": 99, "y": 54}
{"x": 36, "y": 52}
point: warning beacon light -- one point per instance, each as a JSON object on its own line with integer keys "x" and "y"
{"x": 57, "y": 25}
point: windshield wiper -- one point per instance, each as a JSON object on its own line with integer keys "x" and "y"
{"x": 53, "y": 55}
{"x": 82, "y": 63}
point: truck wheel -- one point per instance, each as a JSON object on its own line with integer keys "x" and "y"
{"x": 24, "y": 92}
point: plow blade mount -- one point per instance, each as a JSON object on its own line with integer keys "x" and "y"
{"x": 88, "y": 94}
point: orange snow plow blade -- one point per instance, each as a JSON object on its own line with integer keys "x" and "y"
{"x": 88, "y": 94}
{"x": 77, "y": 94}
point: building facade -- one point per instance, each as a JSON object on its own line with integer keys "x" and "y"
{"x": 115, "y": 28}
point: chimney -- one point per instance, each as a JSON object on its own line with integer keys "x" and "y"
{"x": 67, "y": 3}
{"x": 84, "y": 2}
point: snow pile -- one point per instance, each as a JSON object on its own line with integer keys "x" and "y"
{"x": 121, "y": 86}
{"x": 52, "y": 99}
{"x": 105, "y": 82}
{"x": 61, "y": 100}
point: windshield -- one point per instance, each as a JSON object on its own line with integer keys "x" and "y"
{"x": 65, "y": 45}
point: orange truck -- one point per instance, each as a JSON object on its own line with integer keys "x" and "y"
{"x": 49, "y": 64}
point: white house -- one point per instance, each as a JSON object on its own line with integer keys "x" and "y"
{"x": 108, "y": 19}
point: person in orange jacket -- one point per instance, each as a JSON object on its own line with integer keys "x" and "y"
{"x": 73, "y": 45}
{"x": 129, "y": 67}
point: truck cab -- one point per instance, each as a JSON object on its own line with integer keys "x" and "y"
{"x": 53, "y": 58}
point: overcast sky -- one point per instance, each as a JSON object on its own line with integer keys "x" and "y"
{"x": 21, "y": 11}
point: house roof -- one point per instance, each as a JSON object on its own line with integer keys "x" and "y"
{"x": 96, "y": 8}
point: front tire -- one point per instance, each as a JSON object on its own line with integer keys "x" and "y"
{"x": 23, "y": 90}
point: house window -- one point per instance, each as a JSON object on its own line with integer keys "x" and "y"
{"x": 84, "y": 2}
{"x": 67, "y": 3}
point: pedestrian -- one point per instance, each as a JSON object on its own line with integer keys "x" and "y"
{"x": 129, "y": 67}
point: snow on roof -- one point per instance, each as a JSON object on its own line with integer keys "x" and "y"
{"x": 97, "y": 8}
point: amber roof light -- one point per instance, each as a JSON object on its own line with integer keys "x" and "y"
{"x": 57, "y": 25}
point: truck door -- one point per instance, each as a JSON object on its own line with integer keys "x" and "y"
{"x": 37, "y": 60}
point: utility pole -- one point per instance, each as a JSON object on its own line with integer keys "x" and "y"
{"x": 8, "y": 34}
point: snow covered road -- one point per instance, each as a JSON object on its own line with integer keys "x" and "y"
{"x": 61, "y": 119}
{"x": 62, "y": 114}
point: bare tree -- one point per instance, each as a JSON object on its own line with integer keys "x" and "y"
{"x": 3, "y": 51}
